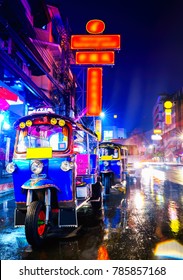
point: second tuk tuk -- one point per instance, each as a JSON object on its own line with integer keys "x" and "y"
{"x": 113, "y": 160}
{"x": 54, "y": 173}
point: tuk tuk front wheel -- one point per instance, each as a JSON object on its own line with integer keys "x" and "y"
{"x": 35, "y": 226}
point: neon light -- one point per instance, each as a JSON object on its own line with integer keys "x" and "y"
{"x": 61, "y": 122}
{"x": 168, "y": 116}
{"x": 168, "y": 104}
{"x": 53, "y": 121}
{"x": 22, "y": 125}
{"x": 98, "y": 129}
{"x": 95, "y": 26}
{"x": 95, "y": 57}
{"x": 156, "y": 137}
{"x": 95, "y": 42}
{"x": 28, "y": 123}
{"x": 157, "y": 131}
{"x": 94, "y": 92}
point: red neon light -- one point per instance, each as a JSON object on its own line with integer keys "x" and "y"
{"x": 95, "y": 42}
{"x": 95, "y": 26}
{"x": 95, "y": 57}
{"x": 94, "y": 92}
{"x": 7, "y": 94}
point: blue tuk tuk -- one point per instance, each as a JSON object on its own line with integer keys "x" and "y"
{"x": 55, "y": 173}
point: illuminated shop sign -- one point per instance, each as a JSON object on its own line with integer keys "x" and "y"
{"x": 100, "y": 51}
{"x": 95, "y": 57}
{"x": 95, "y": 42}
{"x": 168, "y": 112}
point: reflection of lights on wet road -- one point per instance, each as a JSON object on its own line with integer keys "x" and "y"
{"x": 146, "y": 172}
{"x": 154, "y": 179}
{"x": 138, "y": 200}
{"x": 102, "y": 253}
{"x": 146, "y": 175}
{"x": 159, "y": 174}
{"x": 160, "y": 199}
{"x": 106, "y": 234}
{"x": 172, "y": 211}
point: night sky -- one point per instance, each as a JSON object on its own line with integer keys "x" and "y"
{"x": 150, "y": 61}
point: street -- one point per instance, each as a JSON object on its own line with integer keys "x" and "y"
{"x": 127, "y": 227}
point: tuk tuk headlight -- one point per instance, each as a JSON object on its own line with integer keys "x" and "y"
{"x": 36, "y": 167}
{"x": 106, "y": 163}
{"x": 119, "y": 163}
{"x": 66, "y": 165}
{"x": 10, "y": 168}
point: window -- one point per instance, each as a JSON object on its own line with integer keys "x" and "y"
{"x": 43, "y": 136}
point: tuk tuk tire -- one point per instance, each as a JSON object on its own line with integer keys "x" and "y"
{"x": 107, "y": 184}
{"x": 35, "y": 227}
{"x": 97, "y": 195}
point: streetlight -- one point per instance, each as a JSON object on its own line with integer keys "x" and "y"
{"x": 102, "y": 115}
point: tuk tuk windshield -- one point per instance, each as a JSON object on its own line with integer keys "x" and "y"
{"x": 42, "y": 136}
{"x": 109, "y": 151}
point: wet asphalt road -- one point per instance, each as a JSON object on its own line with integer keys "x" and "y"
{"x": 127, "y": 228}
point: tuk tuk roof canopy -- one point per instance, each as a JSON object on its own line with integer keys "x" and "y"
{"x": 49, "y": 116}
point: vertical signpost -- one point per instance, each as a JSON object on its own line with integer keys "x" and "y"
{"x": 95, "y": 49}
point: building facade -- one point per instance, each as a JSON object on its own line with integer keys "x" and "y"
{"x": 170, "y": 147}
{"x": 35, "y": 59}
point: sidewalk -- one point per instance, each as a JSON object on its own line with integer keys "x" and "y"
{"x": 6, "y": 184}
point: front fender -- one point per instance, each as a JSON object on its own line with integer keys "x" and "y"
{"x": 39, "y": 183}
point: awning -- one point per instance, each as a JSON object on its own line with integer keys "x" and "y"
{"x": 7, "y": 94}
{"x": 8, "y": 97}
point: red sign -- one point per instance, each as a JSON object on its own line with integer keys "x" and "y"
{"x": 106, "y": 57}
{"x": 95, "y": 26}
{"x": 95, "y": 42}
